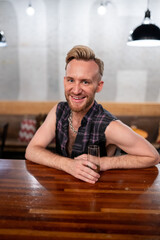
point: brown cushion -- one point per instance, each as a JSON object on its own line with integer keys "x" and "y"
{"x": 148, "y": 124}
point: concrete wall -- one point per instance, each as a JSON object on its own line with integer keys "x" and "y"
{"x": 32, "y": 66}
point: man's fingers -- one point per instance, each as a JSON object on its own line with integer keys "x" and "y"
{"x": 89, "y": 173}
{"x": 91, "y": 165}
{"x": 85, "y": 171}
{"x": 87, "y": 178}
{"x": 81, "y": 157}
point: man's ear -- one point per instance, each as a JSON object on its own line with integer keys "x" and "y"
{"x": 100, "y": 86}
{"x": 64, "y": 79}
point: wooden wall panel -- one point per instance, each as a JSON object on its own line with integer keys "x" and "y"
{"x": 124, "y": 109}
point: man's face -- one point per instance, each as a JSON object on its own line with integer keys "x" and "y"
{"x": 81, "y": 83}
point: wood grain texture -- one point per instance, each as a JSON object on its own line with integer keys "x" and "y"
{"x": 37, "y": 202}
{"x": 25, "y": 107}
{"x": 116, "y": 108}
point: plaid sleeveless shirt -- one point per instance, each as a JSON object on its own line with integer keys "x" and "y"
{"x": 91, "y": 131}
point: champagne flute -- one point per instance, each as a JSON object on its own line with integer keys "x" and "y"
{"x": 94, "y": 156}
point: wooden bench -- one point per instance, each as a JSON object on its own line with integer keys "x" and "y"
{"x": 144, "y": 115}
{"x": 120, "y": 109}
{"x": 13, "y": 112}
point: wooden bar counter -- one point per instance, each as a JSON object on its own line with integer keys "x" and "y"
{"x": 37, "y": 202}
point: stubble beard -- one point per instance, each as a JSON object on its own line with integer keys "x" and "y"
{"x": 83, "y": 108}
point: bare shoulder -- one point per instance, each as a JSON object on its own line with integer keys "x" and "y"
{"x": 51, "y": 117}
{"x": 46, "y": 133}
{"x": 118, "y": 132}
{"x": 116, "y": 127}
{"x": 124, "y": 137}
{"x": 52, "y": 112}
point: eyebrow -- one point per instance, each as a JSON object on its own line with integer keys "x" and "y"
{"x": 83, "y": 79}
{"x": 68, "y": 77}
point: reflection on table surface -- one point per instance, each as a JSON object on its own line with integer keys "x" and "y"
{"x": 37, "y": 202}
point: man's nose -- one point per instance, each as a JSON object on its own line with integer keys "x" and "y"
{"x": 77, "y": 88}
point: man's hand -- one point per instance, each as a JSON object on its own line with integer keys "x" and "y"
{"x": 83, "y": 169}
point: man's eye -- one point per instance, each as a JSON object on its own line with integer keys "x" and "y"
{"x": 85, "y": 82}
{"x": 70, "y": 80}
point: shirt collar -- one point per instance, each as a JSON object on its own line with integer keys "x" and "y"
{"x": 91, "y": 112}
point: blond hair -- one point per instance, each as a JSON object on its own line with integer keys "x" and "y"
{"x": 85, "y": 53}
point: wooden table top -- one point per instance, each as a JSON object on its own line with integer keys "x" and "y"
{"x": 37, "y": 202}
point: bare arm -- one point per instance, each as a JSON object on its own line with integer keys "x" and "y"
{"x": 140, "y": 153}
{"x": 37, "y": 152}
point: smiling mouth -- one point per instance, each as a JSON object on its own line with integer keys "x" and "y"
{"x": 77, "y": 98}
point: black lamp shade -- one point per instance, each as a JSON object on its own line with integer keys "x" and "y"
{"x": 145, "y": 35}
{"x": 2, "y": 40}
{"x": 146, "y": 31}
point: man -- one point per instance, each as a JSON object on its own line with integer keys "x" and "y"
{"x": 80, "y": 121}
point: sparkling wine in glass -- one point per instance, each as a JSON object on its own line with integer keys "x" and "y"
{"x": 94, "y": 156}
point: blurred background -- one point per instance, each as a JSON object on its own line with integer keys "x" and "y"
{"x": 32, "y": 63}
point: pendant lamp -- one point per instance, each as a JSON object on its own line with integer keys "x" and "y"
{"x": 101, "y": 10}
{"x": 145, "y": 35}
{"x": 30, "y": 10}
{"x": 3, "y": 42}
